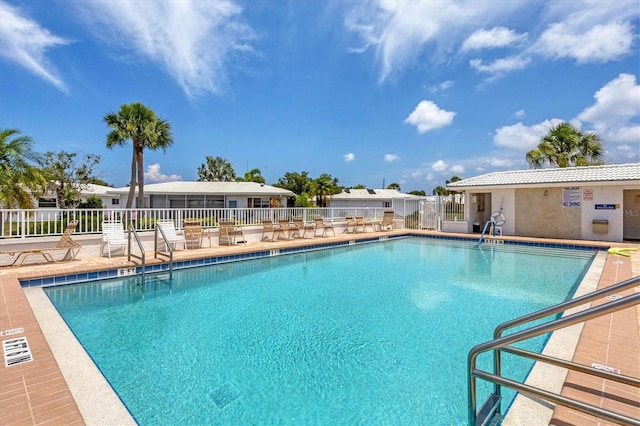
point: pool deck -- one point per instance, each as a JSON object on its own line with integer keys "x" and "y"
{"x": 57, "y": 387}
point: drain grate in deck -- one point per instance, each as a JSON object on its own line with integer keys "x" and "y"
{"x": 224, "y": 395}
{"x": 16, "y": 351}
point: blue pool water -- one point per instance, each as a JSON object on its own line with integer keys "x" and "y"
{"x": 369, "y": 334}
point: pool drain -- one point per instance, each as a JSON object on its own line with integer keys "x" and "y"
{"x": 224, "y": 395}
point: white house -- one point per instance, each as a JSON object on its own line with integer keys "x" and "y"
{"x": 49, "y": 200}
{"x": 369, "y": 198}
{"x": 590, "y": 203}
{"x": 181, "y": 194}
{"x": 378, "y": 198}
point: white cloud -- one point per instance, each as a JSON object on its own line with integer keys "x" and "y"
{"x": 457, "y": 169}
{"x": 428, "y": 116}
{"x": 401, "y": 32}
{"x": 623, "y": 154}
{"x": 523, "y": 138}
{"x": 195, "y": 41}
{"x": 501, "y": 162}
{"x": 441, "y": 86}
{"x": 493, "y": 38}
{"x": 349, "y": 157}
{"x": 600, "y": 43}
{"x": 153, "y": 174}
{"x": 439, "y": 166}
{"x": 25, "y": 42}
{"x": 501, "y": 66}
{"x": 390, "y": 158}
{"x": 617, "y": 104}
{"x": 519, "y": 113}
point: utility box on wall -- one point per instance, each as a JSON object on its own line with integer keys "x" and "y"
{"x": 600, "y": 226}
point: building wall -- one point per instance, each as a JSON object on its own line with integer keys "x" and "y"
{"x": 602, "y": 203}
{"x": 539, "y": 212}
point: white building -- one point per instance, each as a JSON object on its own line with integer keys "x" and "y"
{"x": 589, "y": 203}
{"x": 181, "y": 194}
{"x": 369, "y": 198}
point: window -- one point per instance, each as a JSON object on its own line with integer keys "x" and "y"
{"x": 115, "y": 201}
{"x": 259, "y": 203}
{"x": 386, "y": 204}
{"x": 233, "y": 204}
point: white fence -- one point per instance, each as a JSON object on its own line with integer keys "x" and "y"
{"x": 423, "y": 213}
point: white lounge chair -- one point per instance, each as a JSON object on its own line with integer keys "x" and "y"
{"x": 173, "y": 236}
{"x": 113, "y": 236}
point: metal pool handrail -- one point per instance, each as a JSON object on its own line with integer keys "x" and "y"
{"x": 501, "y": 344}
{"x": 156, "y": 252}
{"x": 133, "y": 232}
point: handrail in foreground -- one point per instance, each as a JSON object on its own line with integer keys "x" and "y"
{"x": 142, "y": 256}
{"x": 500, "y": 343}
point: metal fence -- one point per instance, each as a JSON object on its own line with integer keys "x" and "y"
{"x": 423, "y": 213}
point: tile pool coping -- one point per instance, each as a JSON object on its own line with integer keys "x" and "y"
{"x": 82, "y": 277}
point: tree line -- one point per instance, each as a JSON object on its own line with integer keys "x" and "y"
{"x": 25, "y": 174}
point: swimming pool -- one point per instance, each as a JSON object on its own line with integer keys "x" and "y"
{"x": 376, "y": 333}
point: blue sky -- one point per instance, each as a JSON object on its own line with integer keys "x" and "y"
{"x": 369, "y": 92}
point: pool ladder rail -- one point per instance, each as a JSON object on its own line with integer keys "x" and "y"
{"x": 488, "y": 226}
{"x": 491, "y": 408}
{"x": 142, "y": 257}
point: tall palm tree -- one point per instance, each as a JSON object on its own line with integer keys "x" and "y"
{"x": 216, "y": 169}
{"x": 21, "y": 179}
{"x": 145, "y": 129}
{"x": 566, "y": 146}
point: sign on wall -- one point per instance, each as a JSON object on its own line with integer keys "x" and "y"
{"x": 587, "y": 194}
{"x": 571, "y": 196}
{"x": 607, "y": 206}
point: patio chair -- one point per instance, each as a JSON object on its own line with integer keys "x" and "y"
{"x": 387, "y": 221}
{"x": 351, "y": 224}
{"x": 66, "y": 244}
{"x": 321, "y": 224}
{"x": 195, "y": 233}
{"x": 174, "y": 237}
{"x": 269, "y": 226}
{"x": 288, "y": 228}
{"x": 113, "y": 237}
{"x": 362, "y": 223}
{"x": 302, "y": 228}
{"x": 230, "y": 233}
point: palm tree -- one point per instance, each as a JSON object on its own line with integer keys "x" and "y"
{"x": 145, "y": 129}
{"x": 253, "y": 175}
{"x": 566, "y": 146}
{"x": 20, "y": 177}
{"x": 323, "y": 188}
{"x": 216, "y": 170}
{"x": 394, "y": 185}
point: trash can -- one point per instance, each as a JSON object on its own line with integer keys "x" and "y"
{"x": 476, "y": 227}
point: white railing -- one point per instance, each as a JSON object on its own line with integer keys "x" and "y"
{"x": 423, "y": 213}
